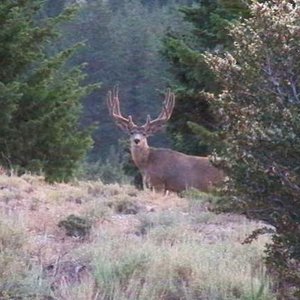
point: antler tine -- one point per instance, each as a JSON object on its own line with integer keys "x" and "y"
{"x": 113, "y": 105}
{"x": 168, "y": 106}
{"x": 116, "y": 100}
{"x": 171, "y": 104}
{"x": 164, "y": 116}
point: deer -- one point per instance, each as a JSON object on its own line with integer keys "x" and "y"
{"x": 163, "y": 169}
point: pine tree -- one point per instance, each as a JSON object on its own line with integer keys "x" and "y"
{"x": 40, "y": 95}
{"x": 193, "y": 120}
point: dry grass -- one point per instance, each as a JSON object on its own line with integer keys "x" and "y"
{"x": 141, "y": 245}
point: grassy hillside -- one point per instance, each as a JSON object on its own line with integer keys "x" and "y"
{"x": 88, "y": 240}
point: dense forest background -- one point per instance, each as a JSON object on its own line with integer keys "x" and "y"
{"x": 123, "y": 45}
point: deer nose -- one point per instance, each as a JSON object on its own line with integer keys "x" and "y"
{"x": 136, "y": 141}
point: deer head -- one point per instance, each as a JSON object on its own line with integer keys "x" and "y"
{"x": 139, "y": 134}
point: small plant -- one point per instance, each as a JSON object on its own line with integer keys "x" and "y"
{"x": 124, "y": 273}
{"x": 76, "y": 226}
{"x": 124, "y": 206}
{"x": 108, "y": 171}
{"x": 153, "y": 220}
{"x": 97, "y": 211}
{"x": 201, "y": 199}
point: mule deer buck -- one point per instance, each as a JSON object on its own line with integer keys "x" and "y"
{"x": 163, "y": 169}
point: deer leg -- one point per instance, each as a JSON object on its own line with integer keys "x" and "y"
{"x": 146, "y": 182}
{"x": 159, "y": 189}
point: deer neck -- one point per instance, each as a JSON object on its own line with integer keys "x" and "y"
{"x": 140, "y": 155}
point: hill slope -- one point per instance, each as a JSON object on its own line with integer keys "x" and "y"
{"x": 88, "y": 240}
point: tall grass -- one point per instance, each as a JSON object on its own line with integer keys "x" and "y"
{"x": 166, "y": 248}
{"x": 20, "y": 277}
{"x": 171, "y": 263}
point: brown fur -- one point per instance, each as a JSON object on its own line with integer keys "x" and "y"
{"x": 168, "y": 170}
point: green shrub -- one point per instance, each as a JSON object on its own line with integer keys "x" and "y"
{"x": 76, "y": 226}
{"x": 124, "y": 205}
{"x": 260, "y": 111}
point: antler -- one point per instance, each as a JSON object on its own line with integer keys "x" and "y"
{"x": 113, "y": 105}
{"x": 152, "y": 126}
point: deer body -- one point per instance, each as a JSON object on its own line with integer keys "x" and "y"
{"x": 163, "y": 169}
{"x": 168, "y": 170}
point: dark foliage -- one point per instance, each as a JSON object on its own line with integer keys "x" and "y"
{"x": 76, "y": 226}
{"x": 210, "y": 22}
{"x": 259, "y": 109}
{"x": 40, "y": 96}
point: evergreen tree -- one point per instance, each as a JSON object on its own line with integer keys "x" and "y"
{"x": 210, "y": 21}
{"x": 40, "y": 96}
{"x": 260, "y": 113}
